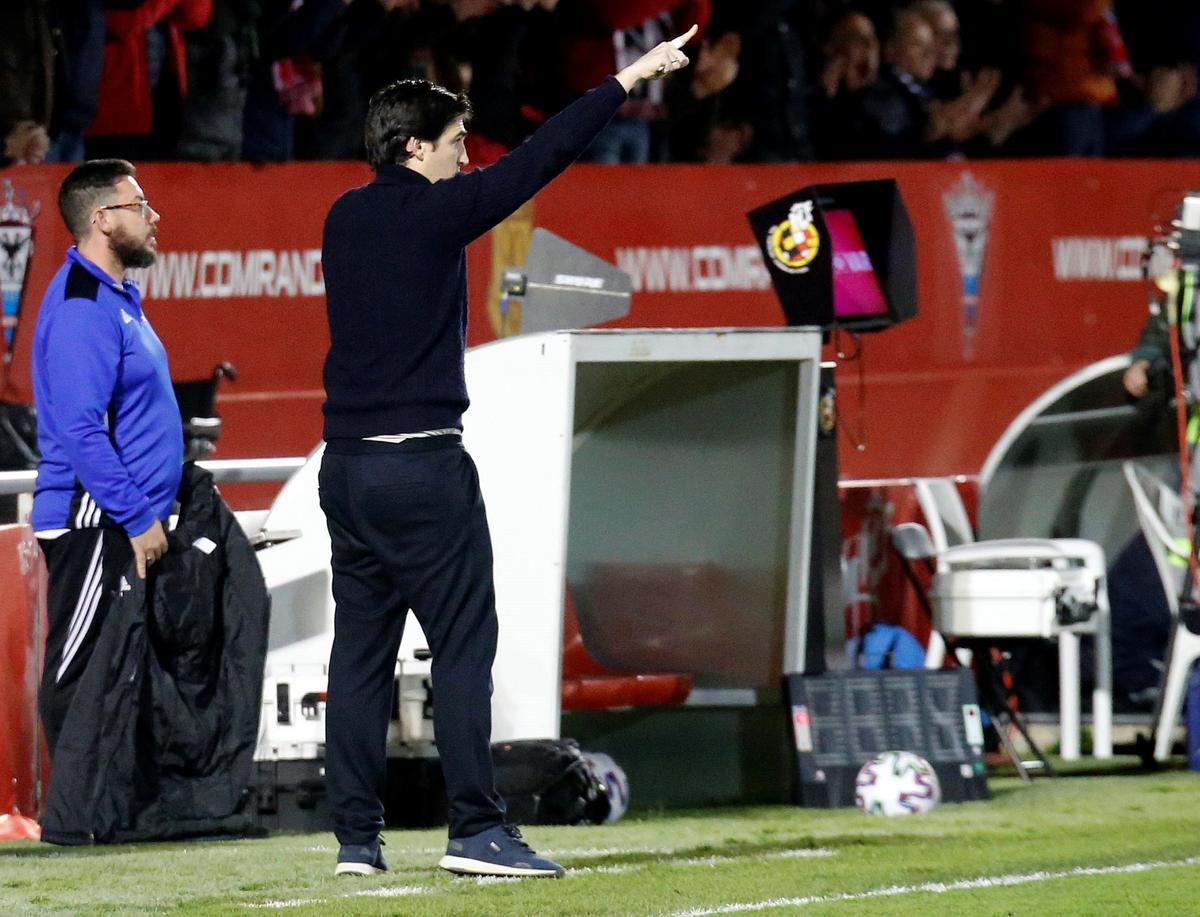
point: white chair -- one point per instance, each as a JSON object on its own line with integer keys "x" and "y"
{"x": 1024, "y": 587}
{"x": 913, "y": 544}
{"x": 1162, "y": 516}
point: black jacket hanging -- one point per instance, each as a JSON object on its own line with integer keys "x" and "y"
{"x": 159, "y": 740}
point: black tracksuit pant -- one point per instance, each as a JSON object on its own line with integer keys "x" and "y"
{"x": 84, "y": 568}
{"x": 408, "y": 530}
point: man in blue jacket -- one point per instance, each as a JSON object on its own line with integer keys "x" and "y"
{"x": 401, "y": 496}
{"x": 108, "y": 424}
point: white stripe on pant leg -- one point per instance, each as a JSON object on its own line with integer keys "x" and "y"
{"x": 91, "y": 601}
{"x": 94, "y": 587}
{"x": 85, "y": 607}
{"x": 71, "y": 650}
{"x": 90, "y": 581}
{"x": 94, "y": 515}
{"x": 80, "y": 513}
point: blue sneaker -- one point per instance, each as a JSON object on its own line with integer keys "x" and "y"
{"x": 498, "y": 851}
{"x": 360, "y": 859}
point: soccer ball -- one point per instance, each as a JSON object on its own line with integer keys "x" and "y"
{"x": 897, "y": 783}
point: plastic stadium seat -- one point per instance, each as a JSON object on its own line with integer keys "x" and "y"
{"x": 1024, "y": 587}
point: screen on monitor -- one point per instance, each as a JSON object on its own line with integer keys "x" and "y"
{"x": 856, "y": 289}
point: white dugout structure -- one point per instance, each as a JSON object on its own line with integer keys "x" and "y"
{"x": 670, "y": 467}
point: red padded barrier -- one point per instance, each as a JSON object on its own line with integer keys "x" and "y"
{"x": 22, "y": 606}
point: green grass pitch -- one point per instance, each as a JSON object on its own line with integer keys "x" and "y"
{"x": 1127, "y": 842}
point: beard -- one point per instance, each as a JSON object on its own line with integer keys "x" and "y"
{"x": 130, "y": 252}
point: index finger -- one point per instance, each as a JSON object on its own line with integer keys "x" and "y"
{"x": 683, "y": 39}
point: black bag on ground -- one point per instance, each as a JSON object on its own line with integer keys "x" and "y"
{"x": 548, "y": 782}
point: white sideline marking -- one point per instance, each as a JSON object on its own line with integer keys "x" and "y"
{"x": 291, "y": 902}
{"x": 600, "y": 870}
{"x": 940, "y": 887}
{"x": 590, "y": 852}
{"x": 391, "y": 891}
{"x": 609, "y": 851}
{"x": 715, "y": 860}
{"x": 387, "y": 891}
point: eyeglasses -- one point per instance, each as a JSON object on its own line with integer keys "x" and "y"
{"x": 143, "y": 206}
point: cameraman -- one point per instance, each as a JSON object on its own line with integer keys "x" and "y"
{"x": 1151, "y": 357}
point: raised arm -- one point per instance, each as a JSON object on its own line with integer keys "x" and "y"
{"x": 473, "y": 202}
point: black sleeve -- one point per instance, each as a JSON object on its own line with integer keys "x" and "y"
{"x": 1154, "y": 343}
{"x": 473, "y": 202}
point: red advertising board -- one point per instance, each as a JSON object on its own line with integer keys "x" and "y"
{"x": 1026, "y": 271}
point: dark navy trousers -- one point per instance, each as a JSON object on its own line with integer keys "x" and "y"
{"x": 408, "y": 530}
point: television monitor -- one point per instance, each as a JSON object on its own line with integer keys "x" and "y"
{"x": 840, "y": 255}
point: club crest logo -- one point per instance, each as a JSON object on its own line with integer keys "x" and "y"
{"x": 794, "y": 243}
{"x": 827, "y": 411}
{"x": 16, "y": 253}
{"x": 969, "y": 207}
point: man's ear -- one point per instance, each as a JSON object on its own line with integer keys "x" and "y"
{"x": 413, "y": 148}
{"x": 100, "y": 223}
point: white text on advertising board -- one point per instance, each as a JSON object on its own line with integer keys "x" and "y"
{"x": 694, "y": 269}
{"x": 1098, "y": 257}
{"x": 259, "y": 273}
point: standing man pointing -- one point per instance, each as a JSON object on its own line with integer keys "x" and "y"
{"x": 401, "y": 496}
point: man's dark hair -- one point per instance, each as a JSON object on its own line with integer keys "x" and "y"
{"x": 409, "y": 108}
{"x": 86, "y": 188}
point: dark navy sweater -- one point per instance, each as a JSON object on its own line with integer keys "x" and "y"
{"x": 395, "y": 269}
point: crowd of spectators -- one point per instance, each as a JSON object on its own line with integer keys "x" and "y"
{"x": 772, "y": 80}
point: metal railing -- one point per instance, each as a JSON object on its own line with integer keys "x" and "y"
{"x": 224, "y": 471}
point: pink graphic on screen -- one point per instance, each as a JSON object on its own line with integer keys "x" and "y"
{"x": 856, "y": 290}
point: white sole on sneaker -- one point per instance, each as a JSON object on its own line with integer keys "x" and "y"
{"x": 468, "y": 867}
{"x": 357, "y": 869}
